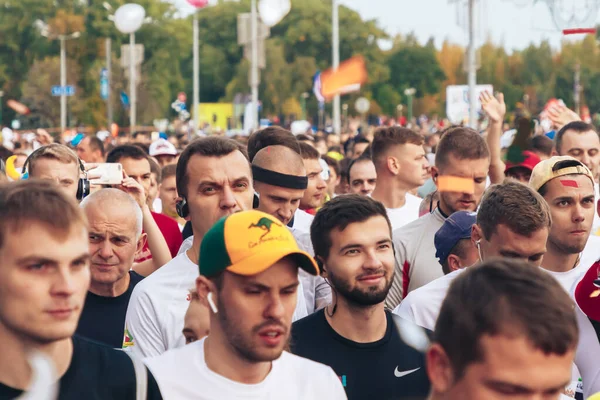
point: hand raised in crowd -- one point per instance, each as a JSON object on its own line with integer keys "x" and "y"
{"x": 494, "y": 107}
{"x": 43, "y": 137}
{"x": 560, "y": 115}
{"x": 134, "y": 189}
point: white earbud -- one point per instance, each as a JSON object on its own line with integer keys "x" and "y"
{"x": 479, "y": 249}
{"x": 211, "y": 303}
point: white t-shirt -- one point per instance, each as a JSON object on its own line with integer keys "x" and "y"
{"x": 406, "y": 214}
{"x": 157, "y": 205}
{"x": 317, "y": 293}
{"x": 183, "y": 374}
{"x": 416, "y": 264}
{"x": 589, "y": 255}
{"x": 422, "y": 305}
{"x": 302, "y": 220}
{"x": 158, "y": 304}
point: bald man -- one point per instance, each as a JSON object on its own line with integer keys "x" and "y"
{"x": 115, "y": 238}
{"x": 279, "y": 195}
{"x": 279, "y": 181}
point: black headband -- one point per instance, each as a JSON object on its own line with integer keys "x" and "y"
{"x": 276, "y": 179}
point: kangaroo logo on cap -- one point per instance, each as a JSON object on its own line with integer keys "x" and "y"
{"x": 265, "y": 225}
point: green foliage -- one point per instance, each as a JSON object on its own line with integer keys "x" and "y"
{"x": 298, "y": 46}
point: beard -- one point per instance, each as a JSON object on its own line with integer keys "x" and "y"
{"x": 242, "y": 342}
{"x": 360, "y": 297}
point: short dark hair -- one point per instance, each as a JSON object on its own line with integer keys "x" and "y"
{"x": 515, "y": 205}
{"x": 575, "y": 126}
{"x": 304, "y": 137}
{"x": 126, "y": 151}
{"x": 387, "y": 137}
{"x": 308, "y": 152}
{"x": 542, "y": 144}
{"x": 212, "y": 146}
{"x": 144, "y": 147}
{"x": 459, "y": 250}
{"x": 463, "y": 143}
{"x": 37, "y": 200}
{"x": 155, "y": 169}
{"x": 340, "y": 212}
{"x": 344, "y": 167}
{"x": 362, "y": 158}
{"x": 504, "y": 297}
{"x": 333, "y": 164}
{"x": 168, "y": 171}
{"x": 96, "y": 144}
{"x": 271, "y": 136}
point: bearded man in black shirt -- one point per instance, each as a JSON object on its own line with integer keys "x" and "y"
{"x": 355, "y": 335}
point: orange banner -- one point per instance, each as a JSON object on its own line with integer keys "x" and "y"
{"x": 346, "y": 79}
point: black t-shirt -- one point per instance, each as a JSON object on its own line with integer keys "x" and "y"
{"x": 96, "y": 372}
{"x": 383, "y": 370}
{"x": 103, "y": 318}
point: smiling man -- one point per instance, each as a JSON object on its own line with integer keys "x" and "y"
{"x": 249, "y": 265}
{"x": 355, "y": 335}
{"x": 115, "y": 237}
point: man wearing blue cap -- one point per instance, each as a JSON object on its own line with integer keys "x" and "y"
{"x": 453, "y": 245}
{"x": 513, "y": 221}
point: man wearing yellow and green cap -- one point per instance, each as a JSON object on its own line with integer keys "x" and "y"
{"x": 248, "y": 278}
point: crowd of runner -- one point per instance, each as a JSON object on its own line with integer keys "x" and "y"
{"x": 386, "y": 265}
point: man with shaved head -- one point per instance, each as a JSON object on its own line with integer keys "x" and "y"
{"x": 115, "y": 238}
{"x": 279, "y": 182}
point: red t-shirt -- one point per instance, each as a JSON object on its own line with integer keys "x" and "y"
{"x": 172, "y": 234}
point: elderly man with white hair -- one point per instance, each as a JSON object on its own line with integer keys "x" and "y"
{"x": 115, "y": 237}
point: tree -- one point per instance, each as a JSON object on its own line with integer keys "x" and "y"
{"x": 416, "y": 67}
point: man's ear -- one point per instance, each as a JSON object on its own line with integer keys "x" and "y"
{"x": 392, "y": 165}
{"x": 434, "y": 173}
{"x": 141, "y": 243}
{"x": 322, "y": 266}
{"x": 453, "y": 262}
{"x": 439, "y": 369}
{"x": 204, "y": 286}
{"x": 476, "y": 234}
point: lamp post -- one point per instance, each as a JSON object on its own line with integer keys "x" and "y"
{"x": 303, "y": 98}
{"x": 1, "y": 96}
{"x": 198, "y": 4}
{"x": 128, "y": 19}
{"x": 336, "y": 63}
{"x": 410, "y": 92}
{"x": 44, "y": 30}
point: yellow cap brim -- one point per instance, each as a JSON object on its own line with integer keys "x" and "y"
{"x": 262, "y": 261}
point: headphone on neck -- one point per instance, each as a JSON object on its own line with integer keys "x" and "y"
{"x": 83, "y": 185}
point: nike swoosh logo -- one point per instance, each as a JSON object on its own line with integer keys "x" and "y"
{"x": 400, "y": 374}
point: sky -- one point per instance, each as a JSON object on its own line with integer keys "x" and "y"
{"x": 500, "y": 20}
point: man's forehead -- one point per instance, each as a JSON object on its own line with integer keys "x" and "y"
{"x": 570, "y": 184}
{"x": 587, "y": 139}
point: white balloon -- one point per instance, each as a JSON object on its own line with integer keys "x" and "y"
{"x": 273, "y": 11}
{"x": 129, "y": 17}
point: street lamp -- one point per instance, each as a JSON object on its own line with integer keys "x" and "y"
{"x": 410, "y": 92}
{"x": 198, "y": 4}
{"x": 336, "y": 62}
{"x": 303, "y": 98}
{"x": 128, "y": 19}
{"x": 44, "y": 30}
{"x": 1, "y": 96}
